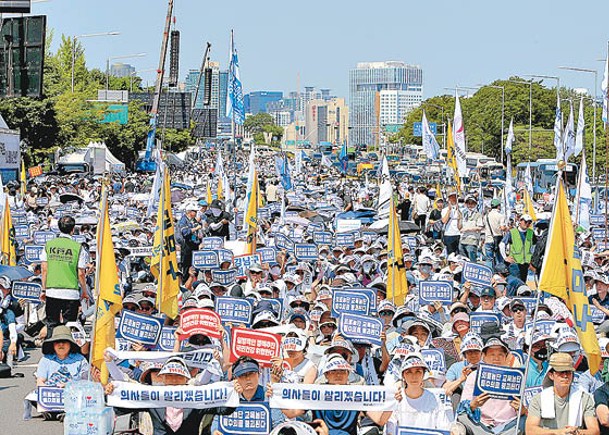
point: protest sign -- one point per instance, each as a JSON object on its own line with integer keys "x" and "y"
{"x": 357, "y": 327}
{"x": 434, "y": 359}
{"x": 347, "y": 225}
{"x": 42, "y": 201}
{"x": 212, "y": 243}
{"x": 476, "y": 273}
{"x": 224, "y": 277}
{"x": 409, "y": 430}
{"x": 133, "y": 213}
{"x": 234, "y": 310}
{"x": 260, "y": 345}
{"x": 529, "y": 304}
{"x": 79, "y": 238}
{"x": 344, "y": 239}
{"x": 305, "y": 251}
{"x": 50, "y": 399}
{"x": 543, "y": 326}
{"x": 322, "y": 238}
{"x": 224, "y": 255}
{"x": 477, "y": 319}
{"x": 19, "y": 218}
{"x": 350, "y": 301}
{"x": 529, "y": 393}
{"x": 243, "y": 263}
{"x": 27, "y": 290}
{"x": 205, "y": 260}
{"x": 22, "y": 231}
{"x": 199, "y": 358}
{"x": 267, "y": 255}
{"x": 412, "y": 242}
{"x": 140, "y": 251}
{"x": 200, "y": 321}
{"x": 371, "y": 295}
{"x": 432, "y": 291}
{"x": 139, "y": 396}
{"x": 250, "y": 418}
{"x": 500, "y": 382}
{"x": 598, "y": 220}
{"x": 315, "y": 226}
{"x": 597, "y": 315}
{"x": 284, "y": 242}
{"x": 167, "y": 339}
{"x": 277, "y": 306}
{"x": 263, "y": 213}
{"x": 600, "y": 233}
{"x": 139, "y": 328}
{"x": 41, "y": 237}
{"x": 332, "y": 397}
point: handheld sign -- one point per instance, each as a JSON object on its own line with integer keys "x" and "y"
{"x": 251, "y": 418}
{"x": 349, "y": 301}
{"x": 597, "y": 220}
{"x": 599, "y": 233}
{"x": 305, "y": 251}
{"x": 543, "y": 326}
{"x": 529, "y": 304}
{"x": 432, "y": 291}
{"x": 284, "y": 242}
{"x": 344, "y": 239}
{"x": 205, "y": 260}
{"x": 477, "y": 319}
{"x": 225, "y": 255}
{"x": 500, "y": 382}
{"x": 140, "y": 251}
{"x": 322, "y": 237}
{"x": 224, "y": 277}
{"x": 139, "y": 328}
{"x": 212, "y": 243}
{"x": 315, "y": 226}
{"x": 200, "y": 321}
{"x": 356, "y": 327}
{"x": 268, "y": 255}
{"x": 243, "y": 263}
{"x": 434, "y": 359}
{"x": 22, "y": 231}
{"x": 33, "y": 253}
{"x": 597, "y": 315}
{"x": 50, "y": 398}
{"x": 367, "y": 291}
{"x": 412, "y": 242}
{"x": 234, "y": 310}
{"x": 43, "y": 201}
{"x": 261, "y": 346}
{"x": 41, "y": 237}
{"x": 27, "y": 290}
{"x": 409, "y": 430}
{"x": 19, "y": 218}
{"x": 167, "y": 339}
{"x": 476, "y": 273}
{"x": 132, "y": 213}
{"x": 529, "y": 393}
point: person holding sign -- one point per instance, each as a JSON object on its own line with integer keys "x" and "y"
{"x": 418, "y": 406}
{"x": 456, "y": 375}
{"x": 560, "y": 409}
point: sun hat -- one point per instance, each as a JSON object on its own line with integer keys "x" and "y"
{"x": 241, "y": 368}
{"x": 567, "y": 341}
{"x": 336, "y": 362}
{"x": 413, "y": 360}
{"x": 471, "y": 341}
{"x": 298, "y": 343}
{"x": 493, "y": 342}
{"x": 60, "y": 333}
{"x": 175, "y": 366}
{"x": 147, "y": 367}
{"x": 559, "y": 362}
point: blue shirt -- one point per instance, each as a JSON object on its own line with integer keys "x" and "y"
{"x": 535, "y": 374}
{"x": 454, "y": 371}
{"x": 57, "y": 371}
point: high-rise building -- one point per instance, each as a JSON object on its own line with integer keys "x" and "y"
{"x": 121, "y": 70}
{"x": 258, "y": 101}
{"x": 326, "y": 121}
{"x": 381, "y": 93}
{"x": 191, "y": 85}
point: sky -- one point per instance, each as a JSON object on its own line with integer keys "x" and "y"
{"x": 283, "y": 43}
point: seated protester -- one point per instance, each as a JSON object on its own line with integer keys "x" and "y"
{"x": 175, "y": 421}
{"x": 590, "y": 383}
{"x": 336, "y": 372}
{"x": 471, "y": 351}
{"x": 460, "y": 329}
{"x": 568, "y": 342}
{"x": 327, "y": 329}
{"x": 345, "y": 349}
{"x": 295, "y": 345}
{"x": 300, "y": 319}
{"x": 9, "y": 337}
{"x": 418, "y": 407}
{"x": 561, "y": 408}
{"x": 470, "y": 295}
{"x": 512, "y": 281}
{"x": 519, "y": 318}
{"x": 419, "y": 329}
{"x": 481, "y": 414}
{"x": 601, "y": 393}
{"x": 62, "y": 361}
{"x": 487, "y": 300}
{"x": 370, "y": 367}
{"x": 538, "y": 364}
{"x": 393, "y": 374}
{"x": 455, "y": 308}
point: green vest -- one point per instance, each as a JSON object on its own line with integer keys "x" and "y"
{"x": 521, "y": 253}
{"x": 62, "y": 263}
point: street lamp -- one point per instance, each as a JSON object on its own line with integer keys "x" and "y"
{"x": 590, "y": 71}
{"x": 127, "y": 56}
{"x": 530, "y": 83}
{"x": 502, "y": 111}
{"x": 89, "y": 35}
{"x": 133, "y": 73}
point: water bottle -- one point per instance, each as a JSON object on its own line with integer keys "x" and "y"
{"x": 74, "y": 423}
{"x": 106, "y": 421}
{"x": 91, "y": 422}
{"x": 83, "y": 395}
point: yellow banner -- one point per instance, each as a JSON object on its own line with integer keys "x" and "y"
{"x": 252, "y": 216}
{"x": 397, "y": 285}
{"x": 9, "y": 243}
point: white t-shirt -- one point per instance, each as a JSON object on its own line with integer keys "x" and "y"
{"x": 451, "y": 228}
{"x": 425, "y": 412}
{"x": 496, "y": 221}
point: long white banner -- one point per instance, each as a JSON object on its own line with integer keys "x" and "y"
{"x": 130, "y": 395}
{"x": 200, "y": 358}
{"x": 327, "y": 397}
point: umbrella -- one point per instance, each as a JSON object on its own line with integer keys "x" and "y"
{"x": 15, "y": 273}
{"x": 382, "y": 227}
{"x": 70, "y": 197}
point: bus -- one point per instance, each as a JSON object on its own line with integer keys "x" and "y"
{"x": 475, "y": 160}
{"x": 492, "y": 171}
{"x": 543, "y": 174}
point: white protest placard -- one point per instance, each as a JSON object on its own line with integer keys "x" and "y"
{"x": 347, "y": 225}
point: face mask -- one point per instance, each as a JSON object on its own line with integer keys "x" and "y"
{"x": 541, "y": 354}
{"x": 426, "y": 269}
{"x": 216, "y": 211}
{"x": 367, "y": 267}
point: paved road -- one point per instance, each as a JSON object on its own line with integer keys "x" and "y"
{"x": 12, "y": 392}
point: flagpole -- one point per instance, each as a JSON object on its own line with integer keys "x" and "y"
{"x": 98, "y": 255}
{"x": 161, "y": 229}
{"x": 606, "y": 96}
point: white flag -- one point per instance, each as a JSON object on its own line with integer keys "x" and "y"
{"x": 604, "y": 86}
{"x": 459, "y": 139}
{"x": 568, "y": 145}
{"x": 325, "y": 161}
{"x": 528, "y": 180}
{"x": 558, "y": 131}
{"x": 508, "y": 190}
{"x": 579, "y": 136}
{"x": 385, "y": 192}
{"x": 430, "y": 145}
{"x": 583, "y": 199}
{"x": 510, "y": 138}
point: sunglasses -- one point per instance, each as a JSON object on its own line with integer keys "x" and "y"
{"x": 518, "y": 309}
{"x": 255, "y": 273}
{"x": 385, "y": 313}
{"x": 459, "y": 310}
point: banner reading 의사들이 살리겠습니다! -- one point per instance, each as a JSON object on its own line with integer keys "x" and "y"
{"x": 130, "y": 395}
{"x": 332, "y": 397}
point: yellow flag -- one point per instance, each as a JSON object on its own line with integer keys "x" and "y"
{"x": 164, "y": 263}
{"x": 23, "y": 178}
{"x": 9, "y": 256}
{"x": 451, "y": 161}
{"x": 252, "y": 216}
{"x": 528, "y": 205}
{"x": 397, "y": 285}
{"x": 108, "y": 293}
{"x": 562, "y": 276}
{"x": 438, "y": 191}
{"x": 209, "y": 196}
{"x": 220, "y": 191}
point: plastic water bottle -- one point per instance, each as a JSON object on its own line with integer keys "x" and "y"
{"x": 74, "y": 423}
{"x": 106, "y": 421}
{"x": 83, "y": 396}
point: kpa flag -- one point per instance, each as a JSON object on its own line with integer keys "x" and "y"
{"x": 397, "y": 285}
{"x": 235, "y": 108}
{"x": 562, "y": 276}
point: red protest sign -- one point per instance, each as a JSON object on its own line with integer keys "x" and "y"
{"x": 262, "y": 346}
{"x": 200, "y": 321}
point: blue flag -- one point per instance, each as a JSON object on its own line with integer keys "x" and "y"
{"x": 235, "y": 108}
{"x": 282, "y": 167}
{"x": 344, "y": 159}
